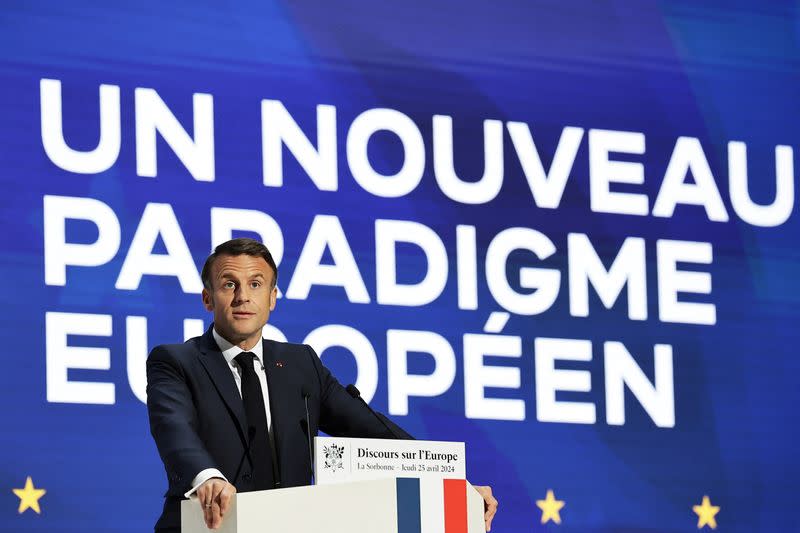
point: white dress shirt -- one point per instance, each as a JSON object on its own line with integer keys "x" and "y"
{"x": 229, "y": 352}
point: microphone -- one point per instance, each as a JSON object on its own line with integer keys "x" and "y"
{"x": 306, "y": 392}
{"x": 353, "y": 391}
{"x": 251, "y": 433}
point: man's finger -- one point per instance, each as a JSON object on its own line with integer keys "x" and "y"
{"x": 491, "y": 509}
{"x": 488, "y": 517}
{"x": 225, "y": 498}
{"x": 205, "y": 494}
{"x": 207, "y": 516}
{"x": 489, "y": 505}
{"x": 216, "y": 519}
{"x": 216, "y": 490}
{"x": 204, "y": 498}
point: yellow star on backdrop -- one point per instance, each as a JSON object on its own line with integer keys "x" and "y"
{"x": 706, "y": 513}
{"x": 29, "y": 497}
{"x": 550, "y": 508}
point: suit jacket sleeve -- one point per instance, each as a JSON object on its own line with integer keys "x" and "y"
{"x": 174, "y": 421}
{"x": 345, "y": 416}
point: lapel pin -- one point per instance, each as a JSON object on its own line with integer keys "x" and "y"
{"x": 279, "y": 364}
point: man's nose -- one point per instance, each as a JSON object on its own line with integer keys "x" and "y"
{"x": 242, "y": 294}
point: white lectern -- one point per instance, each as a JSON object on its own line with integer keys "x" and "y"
{"x": 390, "y": 505}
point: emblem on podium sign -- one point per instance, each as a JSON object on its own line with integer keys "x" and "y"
{"x": 333, "y": 457}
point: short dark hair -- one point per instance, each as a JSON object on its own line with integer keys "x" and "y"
{"x": 241, "y": 246}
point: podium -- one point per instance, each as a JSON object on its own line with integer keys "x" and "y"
{"x": 390, "y": 505}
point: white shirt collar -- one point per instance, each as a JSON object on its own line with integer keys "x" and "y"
{"x": 230, "y": 351}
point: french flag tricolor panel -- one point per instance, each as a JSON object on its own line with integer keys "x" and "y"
{"x": 432, "y": 506}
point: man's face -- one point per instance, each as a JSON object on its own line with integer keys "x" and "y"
{"x": 241, "y": 297}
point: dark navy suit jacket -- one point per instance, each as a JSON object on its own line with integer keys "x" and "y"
{"x": 198, "y": 421}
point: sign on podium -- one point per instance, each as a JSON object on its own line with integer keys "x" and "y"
{"x": 363, "y": 486}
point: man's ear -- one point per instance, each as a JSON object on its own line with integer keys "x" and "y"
{"x": 208, "y": 302}
{"x": 273, "y": 298}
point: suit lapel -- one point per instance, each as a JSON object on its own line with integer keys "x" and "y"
{"x": 280, "y": 397}
{"x": 220, "y": 373}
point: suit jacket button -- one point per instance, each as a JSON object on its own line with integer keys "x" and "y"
{"x": 247, "y": 477}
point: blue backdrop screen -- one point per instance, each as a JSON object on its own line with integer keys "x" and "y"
{"x": 562, "y": 233}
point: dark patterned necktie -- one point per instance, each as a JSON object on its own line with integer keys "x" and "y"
{"x": 253, "y": 398}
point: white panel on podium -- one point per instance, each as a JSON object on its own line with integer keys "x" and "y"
{"x": 356, "y": 507}
{"x": 366, "y": 486}
{"x": 475, "y": 522}
{"x": 342, "y": 508}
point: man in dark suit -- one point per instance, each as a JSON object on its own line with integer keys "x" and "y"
{"x": 227, "y": 409}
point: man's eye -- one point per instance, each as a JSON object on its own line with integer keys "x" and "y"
{"x": 255, "y": 284}
{"x": 229, "y": 285}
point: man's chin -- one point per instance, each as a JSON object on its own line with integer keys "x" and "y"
{"x": 245, "y": 331}
{"x": 237, "y": 335}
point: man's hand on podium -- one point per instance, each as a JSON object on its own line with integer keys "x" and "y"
{"x": 214, "y": 497}
{"x": 489, "y": 505}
